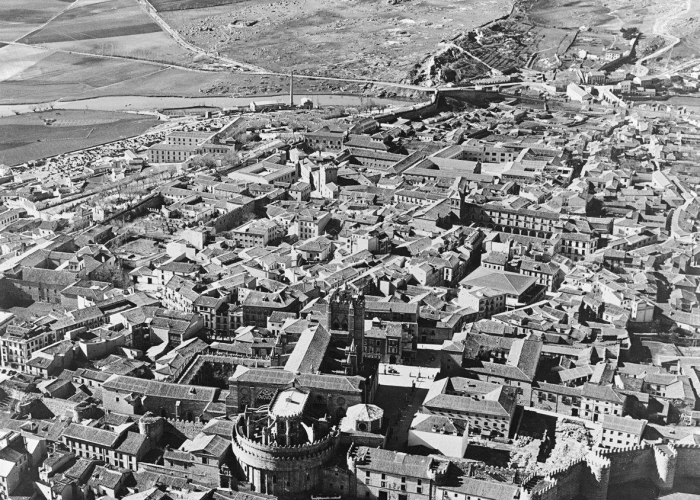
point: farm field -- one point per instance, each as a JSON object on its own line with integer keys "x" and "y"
{"x": 109, "y": 27}
{"x": 19, "y": 17}
{"x": 56, "y": 61}
{"x": 70, "y": 77}
{"x": 372, "y": 39}
{"x": 59, "y": 75}
{"x": 28, "y": 137}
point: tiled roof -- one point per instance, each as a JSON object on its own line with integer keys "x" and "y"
{"x": 309, "y": 351}
{"x": 602, "y": 393}
{"x": 344, "y": 383}
{"x": 124, "y": 384}
{"x": 91, "y": 435}
{"x": 394, "y": 463}
{"x": 627, "y": 425}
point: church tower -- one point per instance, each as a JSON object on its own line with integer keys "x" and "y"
{"x": 346, "y": 312}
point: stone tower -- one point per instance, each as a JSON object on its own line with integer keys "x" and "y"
{"x": 665, "y": 457}
{"x": 594, "y": 485}
{"x": 346, "y": 312}
{"x": 356, "y": 324}
{"x": 327, "y": 173}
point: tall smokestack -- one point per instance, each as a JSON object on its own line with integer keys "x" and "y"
{"x": 291, "y": 88}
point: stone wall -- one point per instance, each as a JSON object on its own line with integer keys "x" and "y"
{"x": 182, "y": 428}
{"x": 593, "y": 476}
{"x": 687, "y": 461}
{"x": 631, "y": 464}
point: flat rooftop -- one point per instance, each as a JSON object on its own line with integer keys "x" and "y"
{"x": 289, "y": 402}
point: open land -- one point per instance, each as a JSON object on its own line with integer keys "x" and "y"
{"x": 661, "y": 23}
{"x": 71, "y": 77}
{"x": 38, "y": 135}
{"x": 19, "y": 17}
{"x": 96, "y": 48}
{"x": 347, "y": 39}
{"x": 57, "y": 50}
{"x": 115, "y": 28}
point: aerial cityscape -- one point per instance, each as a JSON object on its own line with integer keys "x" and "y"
{"x": 349, "y": 250}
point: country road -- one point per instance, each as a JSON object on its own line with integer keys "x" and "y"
{"x": 660, "y": 28}
{"x": 153, "y": 14}
{"x": 104, "y": 56}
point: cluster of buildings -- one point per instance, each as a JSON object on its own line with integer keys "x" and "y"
{"x": 259, "y": 328}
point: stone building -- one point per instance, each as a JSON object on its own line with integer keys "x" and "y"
{"x": 329, "y": 393}
{"x": 281, "y": 448}
{"x": 136, "y": 396}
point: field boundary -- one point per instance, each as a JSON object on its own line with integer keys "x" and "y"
{"x": 39, "y": 28}
{"x": 153, "y": 13}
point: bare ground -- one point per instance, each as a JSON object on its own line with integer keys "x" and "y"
{"x": 370, "y": 39}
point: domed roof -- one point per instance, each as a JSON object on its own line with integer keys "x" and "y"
{"x": 364, "y": 413}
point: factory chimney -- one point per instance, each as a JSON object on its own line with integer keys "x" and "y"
{"x": 291, "y": 89}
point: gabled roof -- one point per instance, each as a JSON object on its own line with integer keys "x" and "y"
{"x": 343, "y": 383}
{"x": 309, "y": 351}
{"x": 133, "y": 385}
{"x": 627, "y": 425}
{"x": 394, "y": 463}
{"x": 602, "y": 393}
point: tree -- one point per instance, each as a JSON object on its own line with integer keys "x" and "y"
{"x": 81, "y": 223}
{"x": 201, "y": 162}
{"x": 114, "y": 274}
{"x": 232, "y": 157}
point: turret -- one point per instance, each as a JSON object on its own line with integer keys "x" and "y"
{"x": 665, "y": 457}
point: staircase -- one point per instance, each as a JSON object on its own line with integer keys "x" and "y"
{"x": 532, "y": 482}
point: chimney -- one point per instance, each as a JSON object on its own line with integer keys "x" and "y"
{"x": 291, "y": 89}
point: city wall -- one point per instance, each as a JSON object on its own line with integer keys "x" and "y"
{"x": 593, "y": 476}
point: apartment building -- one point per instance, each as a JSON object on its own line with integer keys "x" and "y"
{"x": 120, "y": 449}
{"x": 621, "y": 432}
{"x": 539, "y": 223}
{"x": 487, "y": 407}
{"x": 19, "y": 343}
{"x": 258, "y": 233}
{"x": 597, "y": 401}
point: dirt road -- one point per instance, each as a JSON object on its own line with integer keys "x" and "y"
{"x": 661, "y": 29}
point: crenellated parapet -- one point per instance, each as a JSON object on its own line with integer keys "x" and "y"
{"x": 592, "y": 475}
{"x": 666, "y": 458}
{"x": 274, "y": 457}
{"x": 564, "y": 469}
{"x": 625, "y": 449}
{"x": 545, "y": 489}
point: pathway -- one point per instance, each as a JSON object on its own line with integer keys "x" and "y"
{"x": 660, "y": 28}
